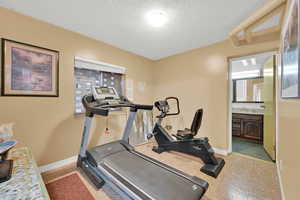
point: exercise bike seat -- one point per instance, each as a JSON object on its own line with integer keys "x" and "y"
{"x": 185, "y": 134}
{"x": 190, "y": 133}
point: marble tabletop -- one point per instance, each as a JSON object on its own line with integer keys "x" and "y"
{"x": 26, "y": 182}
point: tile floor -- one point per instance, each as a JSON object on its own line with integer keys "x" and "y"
{"x": 242, "y": 178}
{"x": 249, "y": 148}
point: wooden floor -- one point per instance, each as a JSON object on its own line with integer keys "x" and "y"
{"x": 242, "y": 178}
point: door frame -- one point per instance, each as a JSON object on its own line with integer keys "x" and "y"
{"x": 229, "y": 94}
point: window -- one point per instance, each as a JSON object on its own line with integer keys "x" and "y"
{"x": 92, "y": 73}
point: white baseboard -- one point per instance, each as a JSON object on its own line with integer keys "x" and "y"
{"x": 57, "y": 164}
{"x": 220, "y": 151}
{"x": 280, "y": 181}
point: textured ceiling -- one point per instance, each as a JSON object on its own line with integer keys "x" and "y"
{"x": 121, "y": 23}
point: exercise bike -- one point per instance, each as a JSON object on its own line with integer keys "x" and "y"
{"x": 185, "y": 141}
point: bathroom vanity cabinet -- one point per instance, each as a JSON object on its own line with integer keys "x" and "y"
{"x": 248, "y": 126}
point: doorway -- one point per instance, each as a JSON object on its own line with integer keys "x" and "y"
{"x": 252, "y": 106}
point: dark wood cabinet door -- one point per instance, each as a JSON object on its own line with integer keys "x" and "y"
{"x": 252, "y": 129}
{"x": 236, "y": 132}
{"x": 248, "y": 126}
{"x": 236, "y": 127}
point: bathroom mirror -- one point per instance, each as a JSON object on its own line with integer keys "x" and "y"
{"x": 248, "y": 90}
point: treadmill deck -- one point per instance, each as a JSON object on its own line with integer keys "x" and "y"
{"x": 147, "y": 178}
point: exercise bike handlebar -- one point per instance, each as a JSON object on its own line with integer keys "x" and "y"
{"x": 177, "y": 103}
{"x": 163, "y": 107}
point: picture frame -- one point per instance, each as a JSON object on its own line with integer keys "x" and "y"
{"x": 29, "y": 70}
{"x": 290, "y": 62}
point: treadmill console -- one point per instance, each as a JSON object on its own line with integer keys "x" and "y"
{"x": 107, "y": 95}
{"x": 102, "y": 93}
{"x": 106, "y": 99}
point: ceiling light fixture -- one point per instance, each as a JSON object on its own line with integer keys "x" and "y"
{"x": 253, "y": 61}
{"x": 156, "y": 18}
{"x": 245, "y": 63}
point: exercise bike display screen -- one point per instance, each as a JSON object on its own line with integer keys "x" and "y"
{"x": 105, "y": 91}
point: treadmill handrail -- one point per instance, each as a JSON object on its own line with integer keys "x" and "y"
{"x": 135, "y": 106}
{"x": 92, "y": 108}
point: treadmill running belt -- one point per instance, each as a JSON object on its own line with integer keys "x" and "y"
{"x": 155, "y": 181}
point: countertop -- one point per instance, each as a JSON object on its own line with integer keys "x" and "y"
{"x": 251, "y": 111}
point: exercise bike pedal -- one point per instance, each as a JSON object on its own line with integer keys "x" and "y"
{"x": 158, "y": 149}
{"x": 213, "y": 170}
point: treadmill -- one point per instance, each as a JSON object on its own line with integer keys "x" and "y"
{"x": 133, "y": 175}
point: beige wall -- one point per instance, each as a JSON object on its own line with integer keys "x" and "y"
{"x": 288, "y": 144}
{"x": 200, "y": 79}
{"x": 197, "y": 77}
{"x": 47, "y": 125}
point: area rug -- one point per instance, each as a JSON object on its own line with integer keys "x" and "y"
{"x": 69, "y": 187}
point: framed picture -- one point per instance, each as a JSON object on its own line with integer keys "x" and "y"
{"x": 290, "y": 69}
{"x": 28, "y": 70}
